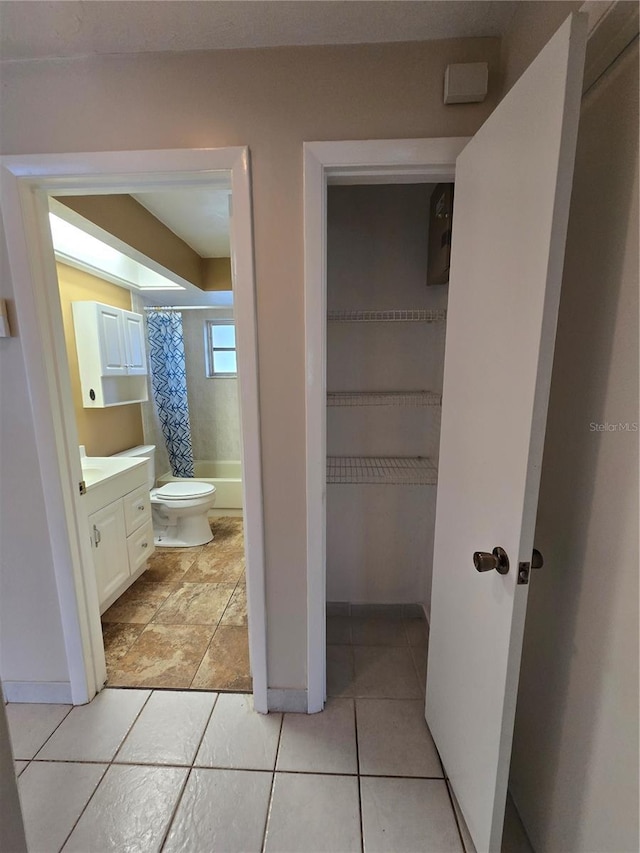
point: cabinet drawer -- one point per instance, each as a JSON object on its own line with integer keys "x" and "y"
{"x": 137, "y": 508}
{"x": 140, "y": 546}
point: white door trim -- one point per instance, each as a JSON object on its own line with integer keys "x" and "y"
{"x": 370, "y": 161}
{"x": 26, "y": 181}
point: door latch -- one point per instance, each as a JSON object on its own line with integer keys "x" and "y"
{"x": 537, "y": 562}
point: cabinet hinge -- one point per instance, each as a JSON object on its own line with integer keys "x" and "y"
{"x": 82, "y": 487}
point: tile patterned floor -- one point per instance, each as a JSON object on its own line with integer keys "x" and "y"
{"x": 183, "y": 623}
{"x": 191, "y": 772}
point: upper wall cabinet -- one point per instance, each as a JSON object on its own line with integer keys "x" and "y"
{"x": 111, "y": 355}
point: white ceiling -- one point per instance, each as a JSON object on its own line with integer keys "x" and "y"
{"x": 200, "y": 217}
{"x": 61, "y": 28}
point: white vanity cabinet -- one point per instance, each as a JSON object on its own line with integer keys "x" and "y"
{"x": 111, "y": 354}
{"x": 121, "y": 532}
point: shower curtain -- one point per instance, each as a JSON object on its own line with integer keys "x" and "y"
{"x": 169, "y": 385}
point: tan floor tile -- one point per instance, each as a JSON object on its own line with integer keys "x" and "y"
{"x": 227, "y": 527}
{"x": 169, "y": 565}
{"x": 217, "y": 565}
{"x": 163, "y": 656}
{"x": 236, "y": 612}
{"x": 139, "y": 603}
{"x": 118, "y": 638}
{"x": 195, "y": 604}
{"x": 226, "y": 663}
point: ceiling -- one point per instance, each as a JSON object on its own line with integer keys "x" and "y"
{"x": 200, "y": 217}
{"x": 66, "y": 28}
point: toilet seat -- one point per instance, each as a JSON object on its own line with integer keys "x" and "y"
{"x": 178, "y": 491}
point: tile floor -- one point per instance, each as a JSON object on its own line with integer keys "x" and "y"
{"x": 189, "y": 771}
{"x": 183, "y": 623}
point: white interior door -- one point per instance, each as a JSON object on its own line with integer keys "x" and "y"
{"x": 513, "y": 186}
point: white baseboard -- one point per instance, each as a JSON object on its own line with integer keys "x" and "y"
{"x": 42, "y": 692}
{"x": 291, "y": 701}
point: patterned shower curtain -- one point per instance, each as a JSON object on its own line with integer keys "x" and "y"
{"x": 169, "y": 384}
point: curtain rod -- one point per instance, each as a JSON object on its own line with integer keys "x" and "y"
{"x": 188, "y": 307}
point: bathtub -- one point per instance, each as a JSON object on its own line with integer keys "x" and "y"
{"x": 225, "y": 475}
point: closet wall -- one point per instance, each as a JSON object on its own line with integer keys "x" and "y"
{"x": 380, "y": 536}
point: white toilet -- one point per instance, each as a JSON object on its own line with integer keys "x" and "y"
{"x": 179, "y": 509}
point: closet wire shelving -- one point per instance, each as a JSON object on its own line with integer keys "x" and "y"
{"x": 383, "y": 398}
{"x": 384, "y": 470}
{"x": 403, "y": 315}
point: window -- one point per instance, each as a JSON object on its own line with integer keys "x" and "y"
{"x": 220, "y": 338}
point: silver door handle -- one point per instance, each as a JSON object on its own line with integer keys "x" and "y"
{"x": 96, "y": 535}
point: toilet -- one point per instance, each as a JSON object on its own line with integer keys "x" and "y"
{"x": 178, "y": 509}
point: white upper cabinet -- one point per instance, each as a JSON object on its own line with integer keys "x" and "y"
{"x": 113, "y": 361}
{"x": 111, "y": 355}
{"x": 133, "y": 327}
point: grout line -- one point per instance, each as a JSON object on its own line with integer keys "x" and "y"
{"x": 175, "y": 808}
{"x": 273, "y": 782}
{"x": 128, "y": 732}
{"x": 93, "y": 793}
{"x": 108, "y": 763}
{"x": 111, "y": 763}
{"x": 355, "y": 724}
{"x": 41, "y": 747}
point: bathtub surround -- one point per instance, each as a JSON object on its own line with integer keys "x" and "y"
{"x": 169, "y": 383}
{"x": 213, "y": 401}
{"x": 183, "y": 624}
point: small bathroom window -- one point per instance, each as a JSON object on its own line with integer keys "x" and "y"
{"x": 220, "y": 336}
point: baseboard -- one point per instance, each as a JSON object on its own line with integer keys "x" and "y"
{"x": 38, "y": 692}
{"x": 225, "y": 513}
{"x": 387, "y": 611}
{"x": 291, "y": 701}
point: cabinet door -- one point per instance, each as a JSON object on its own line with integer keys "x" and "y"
{"x": 112, "y": 349}
{"x": 109, "y": 546}
{"x": 136, "y": 358}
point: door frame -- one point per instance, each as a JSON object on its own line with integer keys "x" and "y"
{"x": 386, "y": 161}
{"x": 26, "y": 182}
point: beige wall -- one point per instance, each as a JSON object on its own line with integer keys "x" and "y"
{"x": 102, "y": 431}
{"x": 129, "y": 221}
{"x": 530, "y": 29}
{"x": 574, "y": 772}
{"x": 271, "y": 100}
{"x": 216, "y": 274}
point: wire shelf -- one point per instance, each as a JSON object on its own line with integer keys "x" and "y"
{"x": 396, "y": 316}
{"x": 383, "y": 470}
{"x": 383, "y": 398}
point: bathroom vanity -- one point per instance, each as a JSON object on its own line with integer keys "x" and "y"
{"x": 119, "y": 516}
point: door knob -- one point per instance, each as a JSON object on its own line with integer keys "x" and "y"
{"x": 497, "y": 559}
{"x": 537, "y": 560}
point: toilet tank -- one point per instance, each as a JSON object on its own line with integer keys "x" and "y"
{"x": 149, "y": 451}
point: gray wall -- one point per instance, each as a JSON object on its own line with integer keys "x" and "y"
{"x": 574, "y": 773}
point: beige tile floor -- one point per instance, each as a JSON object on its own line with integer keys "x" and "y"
{"x": 183, "y": 623}
{"x": 191, "y": 772}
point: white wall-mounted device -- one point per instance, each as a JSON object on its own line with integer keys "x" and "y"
{"x": 466, "y": 83}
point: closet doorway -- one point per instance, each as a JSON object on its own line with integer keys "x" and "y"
{"x": 507, "y": 258}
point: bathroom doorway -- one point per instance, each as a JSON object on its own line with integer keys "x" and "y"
{"x": 217, "y": 568}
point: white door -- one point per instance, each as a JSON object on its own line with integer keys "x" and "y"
{"x": 134, "y": 343}
{"x": 513, "y": 186}
{"x": 112, "y": 351}
{"x": 109, "y": 548}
